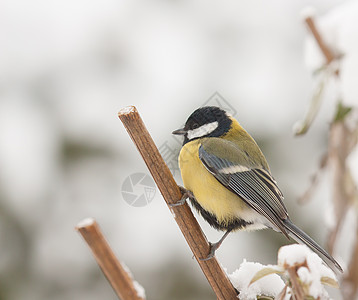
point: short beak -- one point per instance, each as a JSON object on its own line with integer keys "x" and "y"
{"x": 181, "y": 131}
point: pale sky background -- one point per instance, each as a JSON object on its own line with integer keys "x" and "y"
{"x": 68, "y": 67}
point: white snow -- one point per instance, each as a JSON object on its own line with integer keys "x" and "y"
{"x": 126, "y": 110}
{"x": 270, "y": 285}
{"x": 173, "y": 213}
{"x": 311, "y": 270}
{"x": 125, "y": 267}
{"x": 140, "y": 290}
{"x": 293, "y": 255}
{"x": 308, "y": 11}
{"x": 86, "y": 222}
{"x": 304, "y": 275}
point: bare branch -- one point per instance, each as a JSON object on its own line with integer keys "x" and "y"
{"x": 306, "y": 197}
{"x": 350, "y": 283}
{"x": 282, "y": 294}
{"x": 322, "y": 45}
{"x": 120, "y": 280}
{"x": 171, "y": 194}
{"x": 297, "y": 290}
{"x": 315, "y": 104}
{"x": 338, "y": 153}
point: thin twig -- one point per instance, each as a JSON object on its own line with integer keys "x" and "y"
{"x": 302, "y": 126}
{"x": 307, "y": 195}
{"x": 283, "y": 293}
{"x": 315, "y": 104}
{"x": 117, "y": 275}
{"x": 345, "y": 195}
{"x": 338, "y": 153}
{"x": 350, "y": 282}
{"x": 296, "y": 286}
{"x": 186, "y": 221}
{"x": 328, "y": 54}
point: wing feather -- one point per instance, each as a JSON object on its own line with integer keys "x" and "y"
{"x": 254, "y": 185}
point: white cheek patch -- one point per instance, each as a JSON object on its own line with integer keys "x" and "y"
{"x": 202, "y": 130}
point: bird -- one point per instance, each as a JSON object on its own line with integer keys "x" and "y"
{"x": 228, "y": 180}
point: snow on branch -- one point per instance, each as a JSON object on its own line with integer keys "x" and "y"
{"x": 331, "y": 54}
{"x": 300, "y": 273}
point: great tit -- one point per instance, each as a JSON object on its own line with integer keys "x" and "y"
{"x": 227, "y": 179}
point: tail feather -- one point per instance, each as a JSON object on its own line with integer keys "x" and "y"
{"x": 301, "y": 237}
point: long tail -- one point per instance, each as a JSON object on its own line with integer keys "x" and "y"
{"x": 301, "y": 237}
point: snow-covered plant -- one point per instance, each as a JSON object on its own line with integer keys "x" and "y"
{"x": 299, "y": 272}
{"x": 331, "y": 55}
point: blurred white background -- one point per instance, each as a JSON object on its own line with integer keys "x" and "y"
{"x": 68, "y": 67}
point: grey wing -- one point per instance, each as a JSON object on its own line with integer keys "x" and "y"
{"x": 255, "y": 186}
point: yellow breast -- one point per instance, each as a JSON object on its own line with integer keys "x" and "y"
{"x": 209, "y": 193}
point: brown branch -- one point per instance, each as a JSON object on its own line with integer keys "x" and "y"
{"x": 282, "y": 294}
{"x": 350, "y": 282}
{"x": 118, "y": 277}
{"x": 338, "y": 153}
{"x": 303, "y": 126}
{"x": 322, "y": 45}
{"x": 186, "y": 221}
{"x": 297, "y": 290}
{"x": 345, "y": 194}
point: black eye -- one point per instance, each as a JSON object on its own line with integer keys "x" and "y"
{"x": 195, "y": 125}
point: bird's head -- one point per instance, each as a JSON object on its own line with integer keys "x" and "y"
{"x": 207, "y": 121}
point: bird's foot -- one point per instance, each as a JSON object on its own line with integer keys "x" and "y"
{"x": 213, "y": 248}
{"x": 185, "y": 194}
